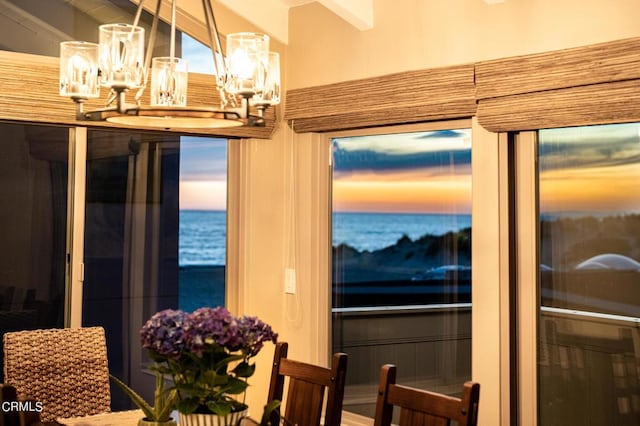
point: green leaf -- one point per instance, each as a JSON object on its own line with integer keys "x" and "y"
{"x": 220, "y": 408}
{"x": 188, "y": 405}
{"x": 147, "y": 409}
{"x": 211, "y": 377}
{"x": 162, "y": 369}
{"x": 235, "y": 386}
{"x": 268, "y": 409}
{"x": 170, "y": 403}
{"x": 229, "y": 359}
{"x": 244, "y": 369}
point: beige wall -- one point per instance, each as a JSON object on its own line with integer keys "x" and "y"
{"x": 407, "y": 34}
{"x": 417, "y": 34}
{"x": 284, "y": 205}
{"x": 292, "y": 169}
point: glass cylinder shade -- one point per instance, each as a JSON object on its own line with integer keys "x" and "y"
{"x": 247, "y": 56}
{"x": 121, "y": 55}
{"x": 270, "y": 94}
{"x": 169, "y": 81}
{"x": 79, "y": 69}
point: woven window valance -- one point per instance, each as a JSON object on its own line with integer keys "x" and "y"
{"x": 29, "y": 92}
{"x": 408, "y": 97}
{"x": 586, "y": 85}
{"x": 594, "y": 84}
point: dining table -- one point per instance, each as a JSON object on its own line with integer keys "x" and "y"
{"x": 123, "y": 418}
{"x": 115, "y": 418}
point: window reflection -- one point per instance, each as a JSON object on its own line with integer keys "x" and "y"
{"x": 589, "y": 274}
{"x": 402, "y": 260}
{"x": 154, "y": 238}
{"x": 33, "y": 225}
{"x": 38, "y": 27}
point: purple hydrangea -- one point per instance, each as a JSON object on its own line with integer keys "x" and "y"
{"x": 200, "y": 349}
{"x": 164, "y": 333}
{"x": 211, "y": 327}
{"x": 254, "y": 333}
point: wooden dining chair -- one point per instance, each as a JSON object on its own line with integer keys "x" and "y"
{"x": 423, "y": 408}
{"x": 305, "y": 393}
{"x": 64, "y": 369}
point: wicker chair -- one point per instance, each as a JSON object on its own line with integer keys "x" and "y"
{"x": 65, "y": 369}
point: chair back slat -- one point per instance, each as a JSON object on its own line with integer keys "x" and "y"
{"x": 412, "y": 418}
{"x": 424, "y": 408}
{"x": 308, "y": 384}
{"x": 307, "y": 410}
{"x": 308, "y": 372}
{"x": 427, "y": 402}
{"x": 333, "y": 413}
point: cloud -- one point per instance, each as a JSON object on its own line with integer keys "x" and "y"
{"x": 403, "y": 143}
{"x": 203, "y": 159}
{"x": 441, "y": 152}
{"x": 589, "y": 147}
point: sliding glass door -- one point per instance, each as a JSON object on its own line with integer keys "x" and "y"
{"x": 578, "y": 262}
{"x": 401, "y": 290}
{"x": 152, "y": 238}
{"x": 130, "y": 240}
{"x": 33, "y": 224}
{"x": 589, "y": 287}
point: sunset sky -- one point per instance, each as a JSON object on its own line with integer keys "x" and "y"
{"x": 427, "y": 172}
{"x": 589, "y": 172}
{"x": 581, "y": 169}
{"x": 203, "y": 161}
{"x": 203, "y": 173}
{"x": 592, "y": 169}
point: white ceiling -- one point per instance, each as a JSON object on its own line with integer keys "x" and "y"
{"x": 272, "y": 15}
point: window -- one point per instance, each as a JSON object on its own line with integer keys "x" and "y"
{"x": 203, "y": 222}
{"x": 151, "y": 242}
{"x": 589, "y": 352}
{"x": 33, "y": 225}
{"x": 203, "y": 205}
{"x": 198, "y": 55}
{"x": 402, "y": 260}
{"x": 38, "y": 27}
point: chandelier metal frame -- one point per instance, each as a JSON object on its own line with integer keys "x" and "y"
{"x": 234, "y": 109}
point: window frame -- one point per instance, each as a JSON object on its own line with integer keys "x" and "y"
{"x": 527, "y": 276}
{"x": 491, "y": 327}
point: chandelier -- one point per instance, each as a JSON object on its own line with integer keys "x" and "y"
{"x": 248, "y": 76}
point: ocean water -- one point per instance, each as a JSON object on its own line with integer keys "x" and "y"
{"x": 203, "y": 237}
{"x": 203, "y": 233}
{"x": 374, "y": 231}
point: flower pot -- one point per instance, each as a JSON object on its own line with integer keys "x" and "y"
{"x": 145, "y": 422}
{"x": 197, "y": 419}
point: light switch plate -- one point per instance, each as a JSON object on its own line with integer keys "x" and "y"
{"x": 290, "y": 281}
